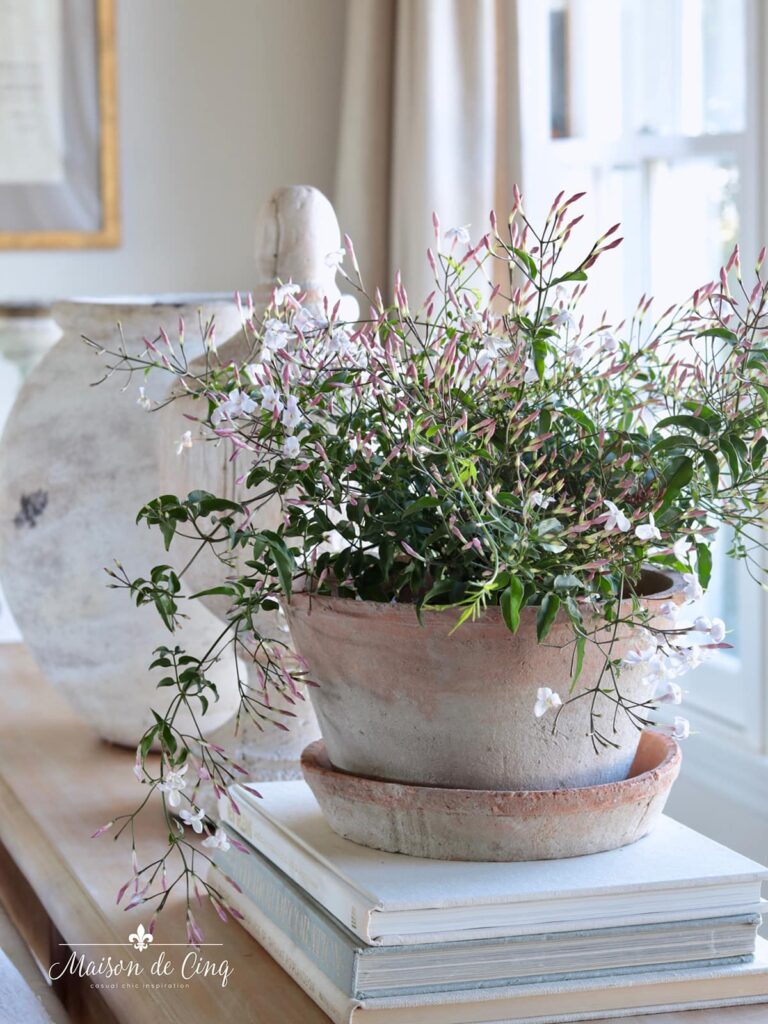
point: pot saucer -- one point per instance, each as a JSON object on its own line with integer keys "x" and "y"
{"x": 495, "y": 825}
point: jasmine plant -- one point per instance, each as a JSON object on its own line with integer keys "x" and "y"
{"x": 485, "y": 446}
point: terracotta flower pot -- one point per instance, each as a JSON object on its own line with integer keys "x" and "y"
{"x": 416, "y": 703}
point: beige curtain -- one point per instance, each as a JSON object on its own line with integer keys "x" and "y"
{"x": 429, "y": 121}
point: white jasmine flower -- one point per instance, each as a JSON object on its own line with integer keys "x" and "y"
{"x": 717, "y": 630}
{"x": 237, "y": 403}
{"x": 185, "y": 441}
{"x": 292, "y": 447}
{"x": 307, "y": 320}
{"x": 669, "y": 693}
{"x": 546, "y": 700}
{"x": 470, "y": 318}
{"x": 193, "y": 818}
{"x": 485, "y": 357}
{"x": 173, "y": 784}
{"x": 650, "y": 658}
{"x": 460, "y": 234}
{"x": 565, "y": 319}
{"x": 679, "y": 730}
{"x": 291, "y": 416}
{"x": 493, "y": 344}
{"x": 283, "y": 291}
{"x": 339, "y": 342}
{"x": 492, "y": 348}
{"x": 608, "y": 343}
{"x": 218, "y": 841}
{"x": 576, "y": 355}
{"x": 687, "y": 658}
{"x": 143, "y": 400}
{"x": 277, "y": 334}
{"x": 540, "y": 500}
{"x": 668, "y": 610}
{"x": 335, "y": 258}
{"x": 649, "y": 530}
{"x": 680, "y": 549}
{"x": 616, "y": 519}
{"x": 682, "y": 728}
{"x": 531, "y": 374}
{"x": 692, "y": 590}
{"x": 702, "y": 624}
{"x": 271, "y": 400}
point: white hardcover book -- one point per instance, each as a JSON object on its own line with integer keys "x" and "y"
{"x": 674, "y": 874}
{"x": 363, "y": 971}
{"x": 558, "y": 1003}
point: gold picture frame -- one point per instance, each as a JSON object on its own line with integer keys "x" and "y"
{"x": 107, "y": 233}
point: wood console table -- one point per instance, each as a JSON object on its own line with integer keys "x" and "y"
{"x": 58, "y": 783}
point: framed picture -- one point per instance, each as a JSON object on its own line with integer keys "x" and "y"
{"x": 58, "y": 126}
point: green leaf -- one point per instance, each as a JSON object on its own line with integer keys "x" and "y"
{"x": 546, "y": 615}
{"x": 283, "y": 559}
{"x": 567, "y": 581}
{"x": 678, "y": 442}
{"x": 694, "y": 423}
{"x": 581, "y": 643}
{"x": 718, "y": 332}
{"x": 167, "y": 529}
{"x": 581, "y": 418}
{"x": 146, "y": 741}
{"x": 425, "y": 501}
{"x": 713, "y": 468}
{"x": 573, "y": 275}
{"x": 703, "y": 564}
{"x": 758, "y": 452}
{"x": 511, "y": 600}
{"x": 677, "y": 475}
{"x": 539, "y": 350}
{"x": 226, "y": 591}
{"x": 731, "y": 457}
{"x": 550, "y": 525}
{"x": 528, "y": 261}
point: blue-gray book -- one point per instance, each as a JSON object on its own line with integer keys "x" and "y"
{"x": 365, "y": 971}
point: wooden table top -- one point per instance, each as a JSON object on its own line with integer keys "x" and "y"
{"x": 58, "y": 783}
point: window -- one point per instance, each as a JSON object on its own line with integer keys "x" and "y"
{"x": 650, "y": 106}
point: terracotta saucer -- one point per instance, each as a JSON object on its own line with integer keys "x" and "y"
{"x": 491, "y": 825}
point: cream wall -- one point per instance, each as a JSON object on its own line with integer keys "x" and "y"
{"x": 220, "y": 101}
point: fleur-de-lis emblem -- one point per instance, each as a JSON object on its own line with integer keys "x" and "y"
{"x": 140, "y": 939}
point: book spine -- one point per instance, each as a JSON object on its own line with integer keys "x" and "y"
{"x": 320, "y": 989}
{"x": 338, "y": 898}
{"x": 293, "y": 913}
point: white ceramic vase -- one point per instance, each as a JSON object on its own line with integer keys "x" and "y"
{"x": 77, "y": 462}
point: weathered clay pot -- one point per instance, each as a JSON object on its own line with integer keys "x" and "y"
{"x": 474, "y": 824}
{"x": 417, "y": 703}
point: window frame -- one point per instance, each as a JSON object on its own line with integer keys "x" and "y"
{"x": 744, "y": 736}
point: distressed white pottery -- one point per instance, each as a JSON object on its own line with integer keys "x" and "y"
{"x": 77, "y": 462}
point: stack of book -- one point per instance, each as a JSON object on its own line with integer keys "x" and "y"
{"x": 667, "y": 923}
